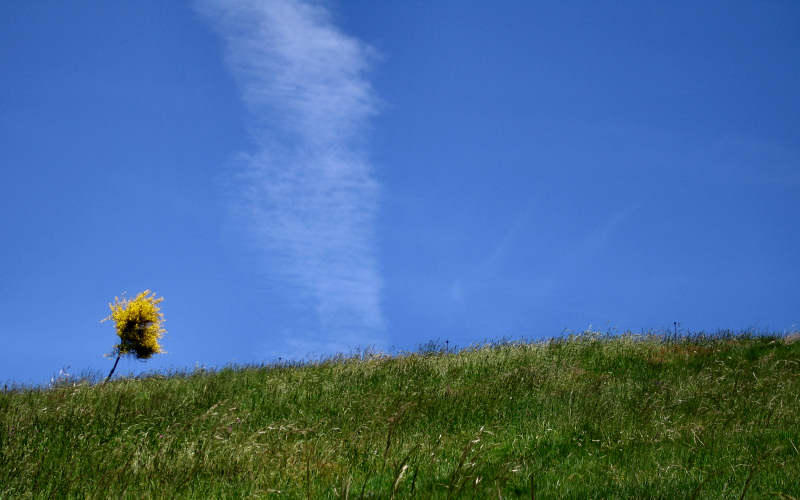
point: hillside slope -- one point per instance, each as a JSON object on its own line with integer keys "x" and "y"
{"x": 584, "y": 417}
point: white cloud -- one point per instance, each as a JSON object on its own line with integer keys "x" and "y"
{"x": 307, "y": 192}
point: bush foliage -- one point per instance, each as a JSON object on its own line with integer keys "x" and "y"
{"x": 139, "y": 324}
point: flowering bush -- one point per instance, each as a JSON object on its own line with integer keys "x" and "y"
{"x": 139, "y": 326}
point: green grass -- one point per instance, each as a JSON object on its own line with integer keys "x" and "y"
{"x": 585, "y": 417}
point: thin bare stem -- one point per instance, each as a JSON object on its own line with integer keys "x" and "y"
{"x": 113, "y": 368}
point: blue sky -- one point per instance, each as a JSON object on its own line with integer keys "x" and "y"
{"x": 302, "y": 178}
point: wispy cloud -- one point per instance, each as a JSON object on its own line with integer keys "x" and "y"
{"x": 307, "y": 192}
{"x": 599, "y": 238}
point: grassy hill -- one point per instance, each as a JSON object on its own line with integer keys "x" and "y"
{"x": 588, "y": 416}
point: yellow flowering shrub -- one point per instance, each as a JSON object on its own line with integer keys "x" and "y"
{"x": 139, "y": 324}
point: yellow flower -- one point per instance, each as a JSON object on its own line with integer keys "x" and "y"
{"x": 139, "y": 324}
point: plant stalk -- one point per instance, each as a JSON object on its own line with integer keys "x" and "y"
{"x": 113, "y": 368}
